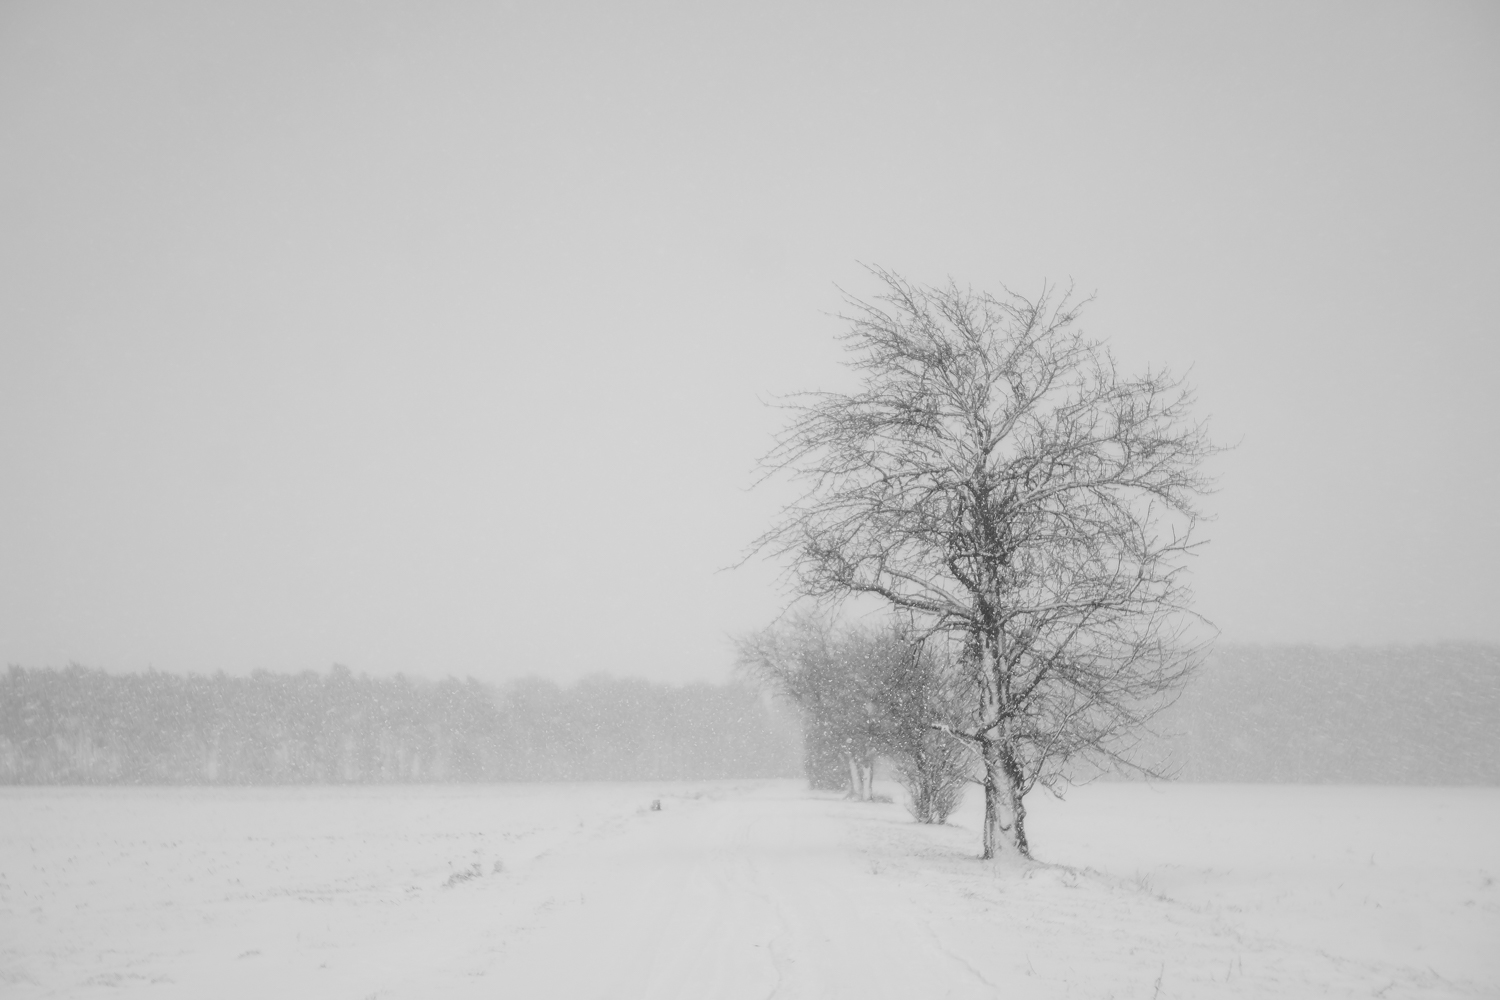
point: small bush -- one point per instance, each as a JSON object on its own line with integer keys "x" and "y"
{"x": 934, "y": 772}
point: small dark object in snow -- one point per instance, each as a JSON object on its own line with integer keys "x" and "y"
{"x": 499, "y": 866}
{"x": 656, "y": 805}
{"x": 464, "y": 874}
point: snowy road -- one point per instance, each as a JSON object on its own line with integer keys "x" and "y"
{"x": 778, "y": 894}
{"x": 750, "y": 890}
{"x": 740, "y": 897}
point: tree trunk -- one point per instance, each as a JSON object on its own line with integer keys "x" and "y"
{"x": 1004, "y": 801}
{"x": 1018, "y": 825}
{"x": 856, "y": 778}
{"x": 991, "y": 740}
{"x": 1015, "y": 793}
{"x": 995, "y": 786}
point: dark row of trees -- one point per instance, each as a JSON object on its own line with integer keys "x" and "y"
{"x": 86, "y": 726}
{"x": 1377, "y": 715}
{"x": 1361, "y": 714}
{"x": 1387, "y": 715}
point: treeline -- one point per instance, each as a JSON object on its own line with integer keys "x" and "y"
{"x": 82, "y": 726}
{"x": 1377, "y": 715}
{"x": 1425, "y": 714}
{"x": 1388, "y": 715}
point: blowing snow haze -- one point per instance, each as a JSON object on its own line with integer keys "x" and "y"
{"x": 438, "y": 338}
{"x": 382, "y": 393}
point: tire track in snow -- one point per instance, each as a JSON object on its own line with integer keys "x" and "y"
{"x": 774, "y": 895}
{"x": 783, "y": 927}
{"x": 956, "y": 957}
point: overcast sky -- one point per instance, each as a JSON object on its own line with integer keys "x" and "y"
{"x": 436, "y": 337}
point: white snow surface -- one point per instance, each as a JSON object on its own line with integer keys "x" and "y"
{"x": 744, "y": 889}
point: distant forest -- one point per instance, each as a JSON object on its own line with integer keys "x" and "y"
{"x": 1397, "y": 715}
{"x": 81, "y": 726}
{"x": 1379, "y": 715}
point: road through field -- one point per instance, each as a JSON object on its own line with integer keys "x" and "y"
{"x": 737, "y": 897}
{"x": 775, "y": 893}
{"x": 751, "y": 890}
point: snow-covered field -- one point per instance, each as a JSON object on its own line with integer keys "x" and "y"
{"x": 748, "y": 889}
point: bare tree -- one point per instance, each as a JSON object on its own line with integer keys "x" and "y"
{"x": 808, "y": 662}
{"x": 920, "y": 692}
{"x": 866, "y": 693}
{"x": 997, "y": 478}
